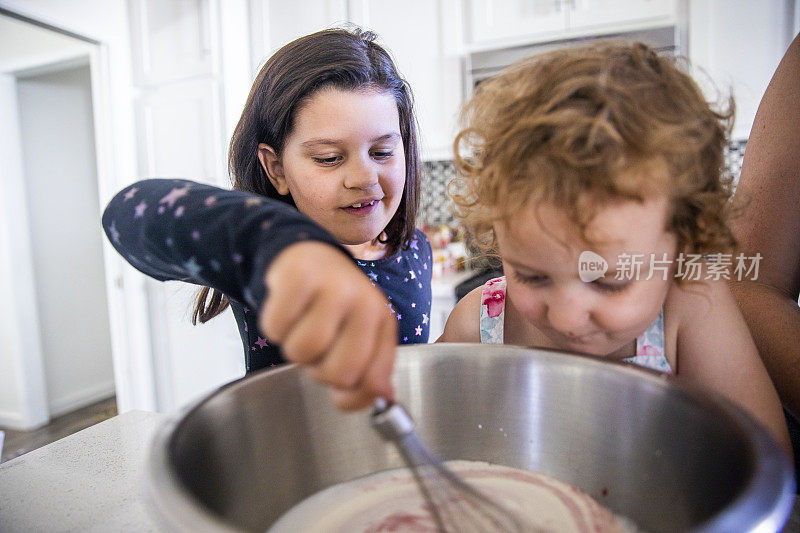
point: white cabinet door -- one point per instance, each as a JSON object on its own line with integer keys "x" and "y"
{"x": 190, "y": 361}
{"x": 612, "y": 15}
{"x": 171, "y": 40}
{"x": 496, "y": 23}
{"x": 275, "y": 23}
{"x": 426, "y": 43}
{"x": 180, "y": 133}
{"x": 499, "y": 20}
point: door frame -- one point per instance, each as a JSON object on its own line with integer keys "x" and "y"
{"x": 127, "y": 300}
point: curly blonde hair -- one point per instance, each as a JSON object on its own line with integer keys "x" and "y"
{"x": 565, "y": 126}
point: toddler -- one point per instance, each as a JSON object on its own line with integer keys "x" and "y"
{"x": 595, "y": 173}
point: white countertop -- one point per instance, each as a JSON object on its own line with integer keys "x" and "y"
{"x": 89, "y": 481}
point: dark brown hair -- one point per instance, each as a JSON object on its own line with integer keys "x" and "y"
{"x": 565, "y": 126}
{"x": 346, "y": 59}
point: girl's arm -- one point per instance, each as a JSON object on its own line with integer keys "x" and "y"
{"x": 715, "y": 351}
{"x": 242, "y": 244}
{"x": 769, "y": 194}
{"x": 182, "y": 230}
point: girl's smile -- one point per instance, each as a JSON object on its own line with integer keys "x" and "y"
{"x": 363, "y": 207}
{"x": 344, "y": 165}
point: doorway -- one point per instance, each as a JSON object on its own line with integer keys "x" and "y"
{"x": 51, "y": 223}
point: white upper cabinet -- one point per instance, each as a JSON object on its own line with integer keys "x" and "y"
{"x": 179, "y": 131}
{"x": 191, "y": 77}
{"x": 494, "y": 23}
{"x": 619, "y": 15}
{"x": 502, "y": 20}
{"x": 171, "y": 40}
{"x": 178, "y": 103}
{"x": 277, "y": 22}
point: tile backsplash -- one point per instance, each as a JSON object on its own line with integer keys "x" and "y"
{"x": 436, "y": 208}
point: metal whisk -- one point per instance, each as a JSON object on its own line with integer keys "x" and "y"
{"x": 454, "y": 504}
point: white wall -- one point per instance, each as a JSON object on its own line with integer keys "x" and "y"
{"x": 61, "y": 178}
{"x": 106, "y": 21}
{"x": 739, "y": 43}
{"x": 10, "y": 400}
{"x": 22, "y": 386}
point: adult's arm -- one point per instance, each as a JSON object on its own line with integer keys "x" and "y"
{"x": 768, "y": 195}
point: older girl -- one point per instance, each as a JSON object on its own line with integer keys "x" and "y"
{"x": 325, "y": 152}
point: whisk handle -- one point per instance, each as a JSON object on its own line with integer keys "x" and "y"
{"x": 391, "y": 420}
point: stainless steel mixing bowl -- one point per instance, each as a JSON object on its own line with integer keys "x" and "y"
{"x": 667, "y": 456}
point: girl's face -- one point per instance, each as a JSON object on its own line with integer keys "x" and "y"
{"x": 601, "y": 317}
{"x": 343, "y": 164}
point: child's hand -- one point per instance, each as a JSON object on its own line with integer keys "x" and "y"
{"x": 328, "y": 317}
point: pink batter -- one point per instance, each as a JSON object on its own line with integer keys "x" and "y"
{"x": 390, "y": 502}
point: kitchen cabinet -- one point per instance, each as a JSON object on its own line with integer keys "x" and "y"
{"x": 619, "y": 14}
{"x": 171, "y": 40}
{"x": 424, "y": 38}
{"x": 190, "y": 81}
{"x": 274, "y": 23}
{"x": 500, "y": 23}
{"x": 180, "y": 131}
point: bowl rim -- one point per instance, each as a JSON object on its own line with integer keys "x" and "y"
{"x": 179, "y": 510}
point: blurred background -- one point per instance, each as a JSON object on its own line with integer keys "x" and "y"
{"x": 95, "y": 94}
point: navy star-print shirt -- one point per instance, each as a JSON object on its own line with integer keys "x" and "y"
{"x": 173, "y": 229}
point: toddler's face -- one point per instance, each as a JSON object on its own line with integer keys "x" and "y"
{"x": 344, "y": 163}
{"x": 601, "y": 317}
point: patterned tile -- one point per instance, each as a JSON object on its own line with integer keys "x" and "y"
{"x": 436, "y": 208}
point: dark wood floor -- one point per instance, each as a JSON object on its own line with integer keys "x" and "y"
{"x": 19, "y": 442}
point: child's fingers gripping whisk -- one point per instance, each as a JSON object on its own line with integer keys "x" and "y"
{"x": 332, "y": 322}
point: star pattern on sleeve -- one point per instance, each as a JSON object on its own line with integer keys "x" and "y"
{"x": 174, "y": 195}
{"x": 192, "y": 267}
{"x": 112, "y": 231}
{"x": 175, "y": 229}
